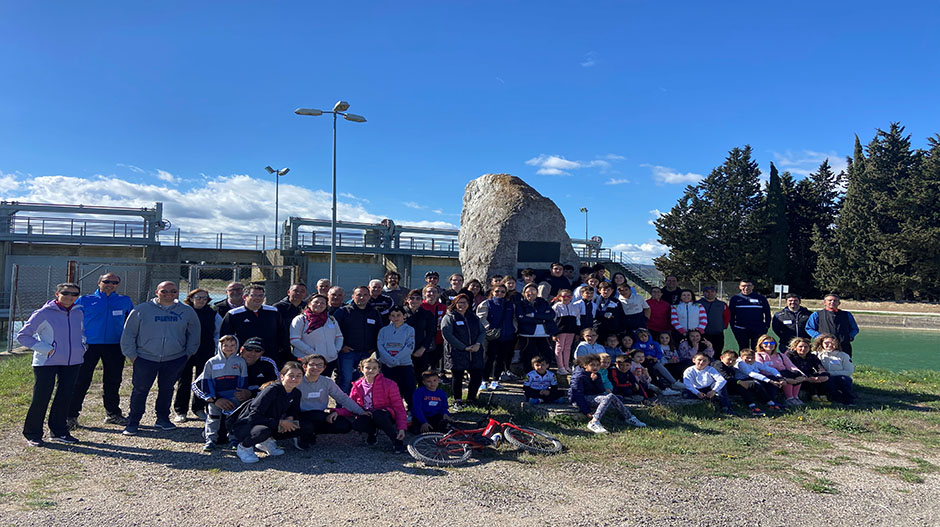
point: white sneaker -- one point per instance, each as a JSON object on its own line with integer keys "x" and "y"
{"x": 269, "y": 447}
{"x": 596, "y": 427}
{"x": 636, "y": 422}
{"x": 179, "y": 418}
{"x": 246, "y": 454}
{"x": 670, "y": 391}
{"x": 496, "y": 386}
{"x": 483, "y": 387}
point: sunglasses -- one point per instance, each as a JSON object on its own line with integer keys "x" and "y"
{"x": 111, "y": 282}
{"x": 768, "y": 343}
{"x": 166, "y": 292}
{"x": 68, "y": 293}
{"x": 201, "y": 297}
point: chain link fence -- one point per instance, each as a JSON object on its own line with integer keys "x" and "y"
{"x": 31, "y": 286}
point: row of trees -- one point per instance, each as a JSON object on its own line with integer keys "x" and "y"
{"x": 870, "y": 232}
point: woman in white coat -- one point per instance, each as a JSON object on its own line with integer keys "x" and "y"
{"x": 315, "y": 332}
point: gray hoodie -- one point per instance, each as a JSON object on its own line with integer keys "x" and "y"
{"x": 160, "y": 333}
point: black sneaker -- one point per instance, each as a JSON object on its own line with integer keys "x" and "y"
{"x": 399, "y": 447}
{"x": 115, "y": 419}
{"x": 372, "y": 439}
{"x": 300, "y": 444}
{"x": 66, "y": 439}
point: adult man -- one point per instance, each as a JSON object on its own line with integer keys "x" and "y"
{"x": 289, "y": 307}
{"x": 360, "y": 324}
{"x": 234, "y": 297}
{"x": 432, "y": 278}
{"x": 159, "y": 336}
{"x": 105, "y": 312}
{"x": 718, "y": 318}
{"x": 337, "y": 297}
{"x": 750, "y": 315}
{"x": 398, "y": 294}
{"x": 671, "y": 290}
{"x": 456, "y": 284}
{"x": 379, "y": 300}
{"x": 791, "y": 321}
{"x": 323, "y": 286}
{"x": 834, "y": 321}
{"x": 634, "y": 307}
{"x": 257, "y": 319}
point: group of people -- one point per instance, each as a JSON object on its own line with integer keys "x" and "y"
{"x": 257, "y": 373}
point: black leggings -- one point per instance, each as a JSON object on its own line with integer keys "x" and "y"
{"x": 249, "y": 436}
{"x": 498, "y": 358}
{"x": 314, "y": 422}
{"x": 535, "y": 346}
{"x": 476, "y": 377}
{"x": 380, "y": 420}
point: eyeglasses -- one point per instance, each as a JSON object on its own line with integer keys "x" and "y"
{"x": 316, "y": 365}
{"x": 69, "y": 293}
{"x": 768, "y": 343}
{"x": 111, "y": 282}
{"x": 201, "y": 297}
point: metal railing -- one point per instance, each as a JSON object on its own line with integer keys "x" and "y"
{"x": 77, "y": 227}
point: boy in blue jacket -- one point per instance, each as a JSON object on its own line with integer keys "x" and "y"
{"x": 587, "y": 392}
{"x": 429, "y": 405}
{"x": 223, "y": 374}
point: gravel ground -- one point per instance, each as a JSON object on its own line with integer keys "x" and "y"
{"x": 163, "y": 478}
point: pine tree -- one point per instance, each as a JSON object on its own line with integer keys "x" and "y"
{"x": 814, "y": 201}
{"x": 919, "y": 217}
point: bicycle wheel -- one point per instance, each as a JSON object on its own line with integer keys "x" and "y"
{"x": 430, "y": 449}
{"x": 532, "y": 440}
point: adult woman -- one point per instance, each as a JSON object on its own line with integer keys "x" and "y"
{"x": 55, "y": 333}
{"x": 840, "y": 368}
{"x": 536, "y": 321}
{"x": 792, "y": 376}
{"x": 272, "y": 414}
{"x": 316, "y": 332}
{"x": 209, "y": 323}
{"x": 498, "y": 315}
{"x": 315, "y": 415}
{"x": 463, "y": 346}
{"x": 799, "y": 351}
{"x": 475, "y": 288}
{"x": 381, "y": 400}
{"x": 658, "y": 322}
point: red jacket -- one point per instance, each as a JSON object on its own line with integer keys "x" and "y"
{"x": 385, "y": 396}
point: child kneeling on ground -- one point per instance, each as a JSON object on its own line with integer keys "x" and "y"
{"x": 704, "y": 382}
{"x": 587, "y": 392}
{"x": 429, "y": 405}
{"x": 222, "y": 375}
{"x": 540, "y": 385}
{"x": 271, "y": 415}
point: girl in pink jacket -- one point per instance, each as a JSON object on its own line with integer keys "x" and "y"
{"x": 381, "y": 400}
{"x": 792, "y": 376}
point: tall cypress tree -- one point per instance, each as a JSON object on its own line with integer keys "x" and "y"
{"x": 776, "y": 229}
{"x": 712, "y": 232}
{"x": 814, "y": 201}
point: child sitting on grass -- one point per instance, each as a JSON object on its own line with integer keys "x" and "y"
{"x": 623, "y": 381}
{"x": 704, "y": 382}
{"x": 587, "y": 392}
{"x": 643, "y": 377}
{"x": 612, "y": 347}
{"x": 540, "y": 385}
{"x": 840, "y": 368}
{"x": 750, "y": 390}
{"x": 604, "y": 371}
{"x": 767, "y": 377}
{"x": 429, "y": 405}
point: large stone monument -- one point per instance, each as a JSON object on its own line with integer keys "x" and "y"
{"x": 506, "y": 225}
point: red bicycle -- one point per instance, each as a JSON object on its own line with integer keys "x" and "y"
{"x": 455, "y": 446}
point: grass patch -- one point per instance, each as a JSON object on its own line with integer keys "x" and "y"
{"x": 846, "y": 424}
{"x": 16, "y": 388}
{"x": 819, "y": 485}
{"x": 909, "y": 474}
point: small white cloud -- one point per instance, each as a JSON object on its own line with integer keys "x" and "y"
{"x": 413, "y": 205}
{"x": 555, "y": 165}
{"x": 437, "y": 211}
{"x": 641, "y": 252}
{"x": 353, "y": 196}
{"x": 132, "y": 168}
{"x": 656, "y": 215}
{"x": 615, "y": 181}
{"x": 8, "y": 183}
{"x": 500, "y": 80}
{"x": 590, "y": 59}
{"x": 163, "y": 175}
{"x": 614, "y": 157}
{"x": 670, "y": 175}
{"x": 805, "y": 162}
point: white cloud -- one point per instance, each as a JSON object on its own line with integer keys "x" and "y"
{"x": 614, "y": 181}
{"x": 163, "y": 175}
{"x": 413, "y": 205}
{"x": 217, "y": 204}
{"x": 672, "y": 176}
{"x": 641, "y": 252}
{"x": 555, "y": 165}
{"x": 656, "y": 215}
{"x": 353, "y": 196}
{"x": 805, "y": 162}
{"x": 8, "y": 183}
{"x": 132, "y": 168}
{"x": 590, "y": 59}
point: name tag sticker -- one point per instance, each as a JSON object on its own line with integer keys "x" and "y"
{"x": 218, "y": 366}
{"x": 460, "y": 322}
{"x": 117, "y": 313}
{"x": 432, "y": 403}
{"x": 330, "y": 325}
{"x": 532, "y": 315}
{"x": 788, "y": 322}
{"x": 313, "y": 395}
{"x": 370, "y": 321}
{"x": 754, "y": 300}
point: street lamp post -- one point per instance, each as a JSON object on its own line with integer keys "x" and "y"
{"x": 587, "y": 248}
{"x": 338, "y": 109}
{"x": 277, "y": 182}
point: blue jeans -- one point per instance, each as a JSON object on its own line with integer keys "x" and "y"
{"x": 145, "y": 373}
{"x": 348, "y": 369}
{"x": 840, "y": 390}
{"x": 45, "y": 382}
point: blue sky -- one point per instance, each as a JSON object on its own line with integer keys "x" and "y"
{"x": 615, "y": 106}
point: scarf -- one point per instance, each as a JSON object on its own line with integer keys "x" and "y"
{"x": 315, "y": 321}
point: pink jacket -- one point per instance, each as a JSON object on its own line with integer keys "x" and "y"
{"x": 385, "y": 396}
{"x": 777, "y": 361}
